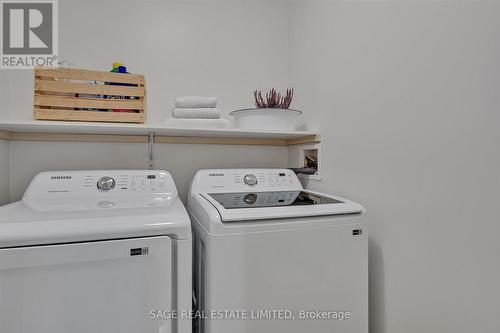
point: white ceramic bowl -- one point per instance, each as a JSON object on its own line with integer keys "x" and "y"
{"x": 266, "y": 119}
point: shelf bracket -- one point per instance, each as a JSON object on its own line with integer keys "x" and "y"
{"x": 151, "y": 140}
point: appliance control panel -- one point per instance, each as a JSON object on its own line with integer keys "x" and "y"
{"x": 244, "y": 180}
{"x": 68, "y": 184}
{"x": 100, "y": 189}
{"x": 149, "y": 182}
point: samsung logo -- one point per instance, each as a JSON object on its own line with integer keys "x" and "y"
{"x": 60, "y": 177}
{"x": 216, "y": 174}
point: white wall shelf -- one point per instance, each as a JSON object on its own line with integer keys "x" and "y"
{"x": 130, "y": 133}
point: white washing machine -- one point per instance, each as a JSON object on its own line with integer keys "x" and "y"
{"x": 271, "y": 257}
{"x": 95, "y": 251}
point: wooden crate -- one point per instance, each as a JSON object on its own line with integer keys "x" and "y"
{"x": 68, "y": 94}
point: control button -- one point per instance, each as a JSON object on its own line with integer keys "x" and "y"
{"x": 106, "y": 183}
{"x": 250, "y": 199}
{"x": 250, "y": 180}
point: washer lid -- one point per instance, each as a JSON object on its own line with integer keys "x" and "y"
{"x": 246, "y": 206}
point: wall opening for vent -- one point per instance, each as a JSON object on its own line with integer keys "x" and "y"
{"x": 310, "y": 159}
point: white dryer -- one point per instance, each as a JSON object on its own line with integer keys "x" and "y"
{"x": 271, "y": 257}
{"x": 96, "y": 251}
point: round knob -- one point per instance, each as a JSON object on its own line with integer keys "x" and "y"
{"x": 250, "y": 180}
{"x": 105, "y": 183}
{"x": 250, "y": 198}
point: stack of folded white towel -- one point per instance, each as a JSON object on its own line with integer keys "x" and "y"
{"x": 196, "y": 112}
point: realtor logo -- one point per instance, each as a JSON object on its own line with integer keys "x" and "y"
{"x": 29, "y": 34}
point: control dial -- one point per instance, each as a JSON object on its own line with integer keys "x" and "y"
{"x": 250, "y": 199}
{"x": 105, "y": 183}
{"x": 250, "y": 180}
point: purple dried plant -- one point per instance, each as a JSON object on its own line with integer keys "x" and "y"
{"x": 273, "y": 99}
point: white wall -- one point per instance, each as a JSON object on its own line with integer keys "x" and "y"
{"x": 4, "y": 145}
{"x": 4, "y": 172}
{"x": 27, "y": 158}
{"x": 216, "y": 48}
{"x": 406, "y": 94}
{"x": 195, "y": 47}
{"x": 4, "y": 94}
{"x": 182, "y": 161}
